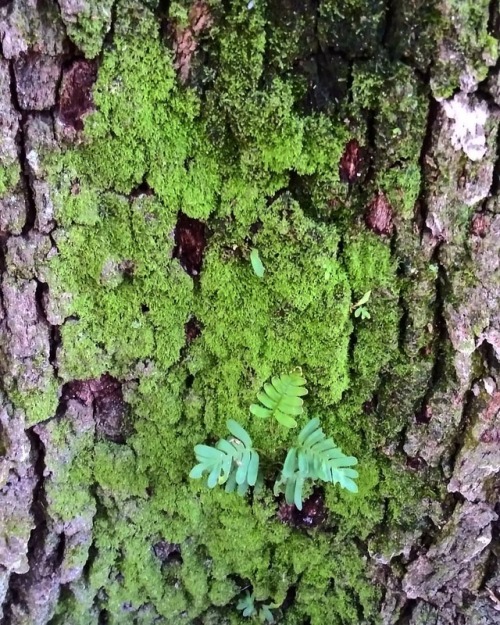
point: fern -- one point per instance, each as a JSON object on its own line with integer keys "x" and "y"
{"x": 247, "y": 605}
{"x": 235, "y": 463}
{"x": 318, "y": 458}
{"x": 248, "y": 609}
{"x": 359, "y": 308}
{"x": 282, "y": 399}
{"x": 232, "y": 461}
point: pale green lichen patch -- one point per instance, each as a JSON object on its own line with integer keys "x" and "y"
{"x": 467, "y": 47}
{"x": 245, "y": 158}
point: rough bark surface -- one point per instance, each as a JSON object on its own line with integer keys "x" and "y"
{"x": 446, "y": 570}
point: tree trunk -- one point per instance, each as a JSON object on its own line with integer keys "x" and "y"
{"x": 146, "y": 148}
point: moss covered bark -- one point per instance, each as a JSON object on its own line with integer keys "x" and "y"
{"x": 354, "y": 145}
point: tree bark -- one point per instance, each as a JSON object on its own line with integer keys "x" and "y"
{"x": 414, "y": 88}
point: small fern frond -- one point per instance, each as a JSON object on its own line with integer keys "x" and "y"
{"x": 282, "y": 399}
{"x": 318, "y": 458}
{"x": 232, "y": 462}
{"x": 247, "y": 605}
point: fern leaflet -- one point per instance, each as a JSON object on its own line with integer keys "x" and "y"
{"x": 315, "y": 457}
{"x": 232, "y": 461}
{"x": 282, "y": 399}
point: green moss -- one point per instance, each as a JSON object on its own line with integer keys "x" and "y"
{"x": 402, "y": 187}
{"x": 414, "y": 32}
{"x": 9, "y": 177}
{"x": 113, "y": 468}
{"x": 117, "y": 298}
{"x": 370, "y": 267}
{"x": 88, "y": 27}
{"x": 299, "y": 310}
{"x": 143, "y": 127}
{"x": 76, "y": 606}
{"x": 353, "y": 27}
{"x": 401, "y": 102}
{"x": 222, "y": 591}
{"x": 328, "y": 587}
{"x": 69, "y": 489}
{"x": 153, "y": 149}
{"x": 38, "y": 405}
{"x": 291, "y": 34}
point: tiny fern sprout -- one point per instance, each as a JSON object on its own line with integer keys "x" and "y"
{"x": 282, "y": 399}
{"x": 247, "y": 607}
{"x": 360, "y": 309}
{"x": 232, "y": 461}
{"x": 362, "y": 312}
{"x": 317, "y": 458}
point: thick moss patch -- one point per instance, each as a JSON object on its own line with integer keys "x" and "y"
{"x": 240, "y": 156}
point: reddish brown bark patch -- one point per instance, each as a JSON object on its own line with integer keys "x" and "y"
{"x": 75, "y": 93}
{"x": 186, "y": 39}
{"x": 142, "y": 190}
{"x": 416, "y": 463}
{"x": 379, "y": 215}
{"x": 110, "y": 410}
{"x": 370, "y": 406}
{"x": 480, "y": 225}
{"x": 353, "y": 163}
{"x": 106, "y": 396}
{"x": 190, "y": 243}
{"x": 313, "y": 513}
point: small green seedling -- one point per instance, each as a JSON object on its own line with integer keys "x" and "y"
{"x": 282, "y": 399}
{"x": 257, "y": 265}
{"x": 359, "y": 308}
{"x": 248, "y": 609}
